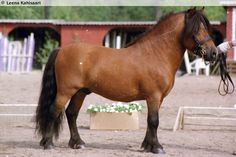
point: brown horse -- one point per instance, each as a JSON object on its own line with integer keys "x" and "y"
{"x": 145, "y": 70}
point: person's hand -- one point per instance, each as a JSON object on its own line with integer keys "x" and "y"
{"x": 234, "y": 43}
{"x": 224, "y": 47}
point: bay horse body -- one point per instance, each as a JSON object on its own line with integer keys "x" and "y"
{"x": 145, "y": 70}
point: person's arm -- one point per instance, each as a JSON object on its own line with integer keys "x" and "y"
{"x": 225, "y": 46}
{"x": 232, "y": 43}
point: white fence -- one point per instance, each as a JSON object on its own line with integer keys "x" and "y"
{"x": 17, "y": 114}
{"x": 16, "y": 56}
{"x": 206, "y": 118}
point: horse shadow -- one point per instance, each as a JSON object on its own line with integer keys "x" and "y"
{"x": 114, "y": 146}
{"x": 107, "y": 146}
{"x": 64, "y": 145}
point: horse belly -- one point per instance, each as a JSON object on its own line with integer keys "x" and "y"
{"x": 118, "y": 91}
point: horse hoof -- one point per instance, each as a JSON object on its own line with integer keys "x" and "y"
{"x": 42, "y": 142}
{"x": 82, "y": 146}
{"x": 158, "y": 151}
{"x": 48, "y": 147}
{"x": 78, "y": 146}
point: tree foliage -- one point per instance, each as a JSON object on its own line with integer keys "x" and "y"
{"x": 44, "y": 52}
{"x": 21, "y": 12}
{"x": 101, "y": 13}
{"x": 213, "y": 13}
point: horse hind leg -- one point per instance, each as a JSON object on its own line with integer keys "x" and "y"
{"x": 55, "y": 121}
{"x": 72, "y": 111}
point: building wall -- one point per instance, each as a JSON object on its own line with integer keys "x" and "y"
{"x": 221, "y": 28}
{"x": 88, "y": 34}
{"x": 6, "y": 28}
{"x": 93, "y": 34}
{"x": 229, "y": 30}
{"x": 234, "y": 29}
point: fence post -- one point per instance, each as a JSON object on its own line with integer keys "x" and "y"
{"x": 30, "y": 53}
{"x": 23, "y": 53}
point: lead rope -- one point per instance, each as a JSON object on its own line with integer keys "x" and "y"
{"x": 226, "y": 80}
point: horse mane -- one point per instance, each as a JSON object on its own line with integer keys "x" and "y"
{"x": 138, "y": 37}
{"x": 193, "y": 20}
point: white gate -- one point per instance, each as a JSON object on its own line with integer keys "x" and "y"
{"x": 16, "y": 56}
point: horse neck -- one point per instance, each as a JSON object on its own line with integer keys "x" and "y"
{"x": 163, "y": 43}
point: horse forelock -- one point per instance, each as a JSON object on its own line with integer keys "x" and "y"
{"x": 193, "y": 23}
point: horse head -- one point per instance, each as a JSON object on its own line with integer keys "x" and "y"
{"x": 196, "y": 36}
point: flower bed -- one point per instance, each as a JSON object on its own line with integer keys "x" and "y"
{"x": 116, "y": 107}
{"x": 116, "y": 116}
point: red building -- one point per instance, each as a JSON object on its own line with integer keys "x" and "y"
{"x": 68, "y": 32}
{"x": 231, "y": 29}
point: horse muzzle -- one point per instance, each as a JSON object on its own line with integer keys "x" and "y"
{"x": 210, "y": 54}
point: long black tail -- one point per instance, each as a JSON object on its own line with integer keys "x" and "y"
{"x": 45, "y": 112}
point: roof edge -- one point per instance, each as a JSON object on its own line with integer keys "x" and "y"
{"x": 63, "y": 22}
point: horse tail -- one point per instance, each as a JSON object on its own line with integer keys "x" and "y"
{"x": 45, "y": 112}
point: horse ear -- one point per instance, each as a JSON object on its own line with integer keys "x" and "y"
{"x": 191, "y": 12}
{"x": 201, "y": 10}
{"x": 191, "y": 9}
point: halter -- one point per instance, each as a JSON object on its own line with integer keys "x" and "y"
{"x": 199, "y": 49}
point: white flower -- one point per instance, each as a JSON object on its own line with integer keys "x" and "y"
{"x": 119, "y": 104}
{"x": 116, "y": 107}
{"x": 91, "y": 106}
{"x": 112, "y": 110}
{"x": 126, "y": 105}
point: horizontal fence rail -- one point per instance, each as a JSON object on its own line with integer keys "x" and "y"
{"x": 17, "y": 114}
{"x": 206, "y": 117}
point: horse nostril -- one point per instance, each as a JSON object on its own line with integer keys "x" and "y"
{"x": 214, "y": 54}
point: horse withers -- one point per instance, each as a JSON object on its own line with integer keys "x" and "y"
{"x": 144, "y": 70}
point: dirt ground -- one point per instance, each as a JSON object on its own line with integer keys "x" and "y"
{"x": 19, "y": 140}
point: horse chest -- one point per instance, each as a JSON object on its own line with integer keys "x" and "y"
{"x": 159, "y": 83}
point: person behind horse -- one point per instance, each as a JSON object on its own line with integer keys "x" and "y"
{"x": 225, "y": 46}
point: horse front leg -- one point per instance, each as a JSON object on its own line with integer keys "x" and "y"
{"x": 150, "y": 142}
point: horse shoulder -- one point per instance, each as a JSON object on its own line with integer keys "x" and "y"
{"x": 156, "y": 80}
